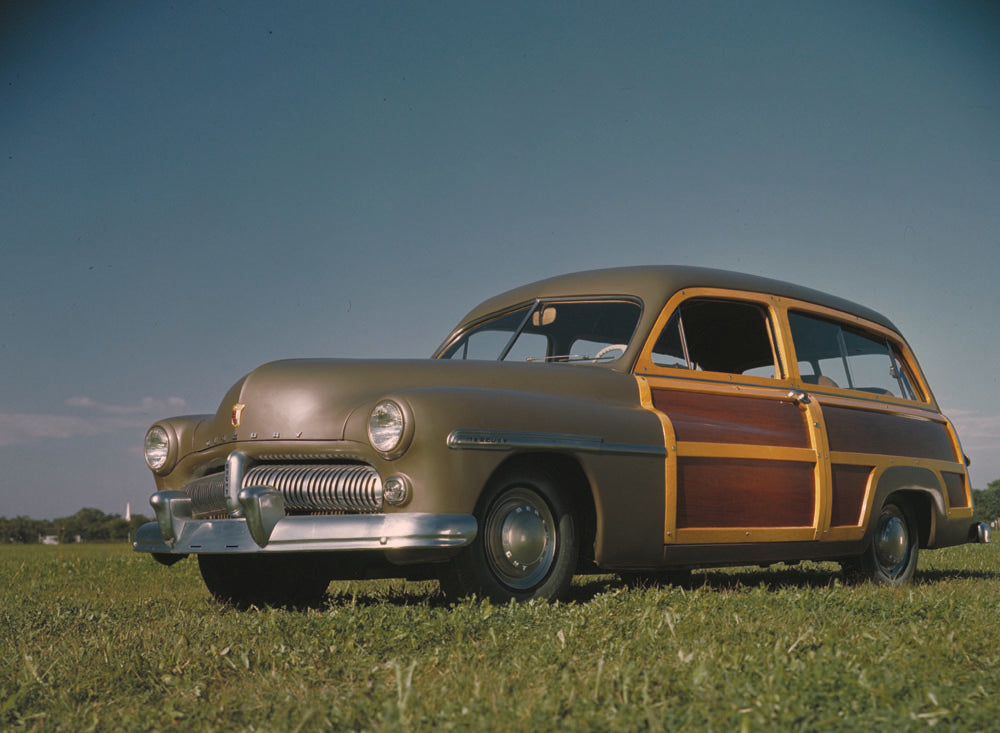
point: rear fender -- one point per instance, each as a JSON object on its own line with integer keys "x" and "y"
{"x": 921, "y": 488}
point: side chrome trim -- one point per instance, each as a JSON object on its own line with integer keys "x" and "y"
{"x": 510, "y": 439}
{"x": 313, "y": 533}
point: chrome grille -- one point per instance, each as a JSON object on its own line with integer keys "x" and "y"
{"x": 208, "y": 495}
{"x": 321, "y": 487}
{"x": 305, "y": 487}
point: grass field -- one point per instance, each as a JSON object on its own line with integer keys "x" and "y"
{"x": 93, "y": 637}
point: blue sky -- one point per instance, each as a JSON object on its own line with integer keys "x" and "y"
{"x": 190, "y": 189}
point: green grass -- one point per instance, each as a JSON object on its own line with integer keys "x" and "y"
{"x": 95, "y": 637}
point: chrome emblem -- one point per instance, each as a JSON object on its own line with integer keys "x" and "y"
{"x": 238, "y": 414}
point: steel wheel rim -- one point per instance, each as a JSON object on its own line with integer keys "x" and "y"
{"x": 520, "y": 538}
{"x": 892, "y": 542}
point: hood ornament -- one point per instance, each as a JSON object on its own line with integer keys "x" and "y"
{"x": 238, "y": 409}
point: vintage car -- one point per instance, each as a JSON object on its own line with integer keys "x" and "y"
{"x": 642, "y": 421}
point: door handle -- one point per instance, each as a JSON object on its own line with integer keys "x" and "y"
{"x": 797, "y": 395}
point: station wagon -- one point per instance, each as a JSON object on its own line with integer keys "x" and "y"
{"x": 641, "y": 421}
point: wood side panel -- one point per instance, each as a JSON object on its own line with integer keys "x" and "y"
{"x": 849, "y": 484}
{"x": 866, "y": 431}
{"x": 721, "y": 418}
{"x": 714, "y": 492}
{"x": 955, "y": 484}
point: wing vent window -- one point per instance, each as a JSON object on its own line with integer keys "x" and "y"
{"x": 831, "y": 354}
{"x": 490, "y": 339}
{"x": 713, "y": 335}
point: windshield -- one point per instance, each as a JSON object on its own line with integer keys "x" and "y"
{"x": 565, "y": 331}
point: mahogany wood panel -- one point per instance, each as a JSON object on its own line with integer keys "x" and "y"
{"x": 723, "y": 418}
{"x": 849, "y": 483}
{"x": 955, "y": 484}
{"x": 730, "y": 492}
{"x": 866, "y": 431}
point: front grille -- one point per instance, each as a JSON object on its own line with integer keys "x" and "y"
{"x": 208, "y": 496}
{"x": 306, "y": 488}
{"x": 329, "y": 487}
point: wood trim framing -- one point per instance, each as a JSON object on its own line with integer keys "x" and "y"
{"x": 774, "y": 484}
{"x": 811, "y": 477}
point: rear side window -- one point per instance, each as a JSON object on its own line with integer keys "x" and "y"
{"x": 716, "y": 335}
{"x": 833, "y": 354}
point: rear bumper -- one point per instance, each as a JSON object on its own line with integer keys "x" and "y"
{"x": 265, "y": 528}
{"x": 980, "y": 532}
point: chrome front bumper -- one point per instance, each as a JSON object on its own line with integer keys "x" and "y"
{"x": 265, "y": 528}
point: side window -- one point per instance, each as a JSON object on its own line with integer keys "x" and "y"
{"x": 714, "y": 335}
{"x": 579, "y": 331}
{"x": 907, "y": 383}
{"x": 836, "y": 355}
{"x": 528, "y": 346}
{"x": 817, "y": 347}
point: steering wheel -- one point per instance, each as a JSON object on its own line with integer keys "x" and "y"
{"x": 608, "y": 349}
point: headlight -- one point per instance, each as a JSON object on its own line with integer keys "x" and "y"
{"x": 157, "y": 447}
{"x": 386, "y": 427}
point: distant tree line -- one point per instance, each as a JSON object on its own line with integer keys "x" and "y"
{"x": 87, "y": 525}
{"x": 987, "y": 502}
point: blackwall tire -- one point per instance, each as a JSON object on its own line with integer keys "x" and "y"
{"x": 527, "y": 546}
{"x": 891, "y": 556}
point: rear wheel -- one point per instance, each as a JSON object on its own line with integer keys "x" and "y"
{"x": 527, "y": 544}
{"x": 263, "y": 580}
{"x": 891, "y": 556}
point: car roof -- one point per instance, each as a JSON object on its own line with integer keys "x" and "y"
{"x": 655, "y": 284}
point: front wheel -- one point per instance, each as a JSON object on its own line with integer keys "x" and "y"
{"x": 891, "y": 556}
{"x": 526, "y": 548}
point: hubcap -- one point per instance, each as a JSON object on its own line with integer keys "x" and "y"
{"x": 892, "y": 543}
{"x": 520, "y": 538}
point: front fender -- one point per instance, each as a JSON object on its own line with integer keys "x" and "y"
{"x": 618, "y": 445}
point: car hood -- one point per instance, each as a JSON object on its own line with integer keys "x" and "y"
{"x": 312, "y": 399}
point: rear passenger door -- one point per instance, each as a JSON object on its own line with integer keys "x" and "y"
{"x": 743, "y": 448}
{"x": 877, "y": 415}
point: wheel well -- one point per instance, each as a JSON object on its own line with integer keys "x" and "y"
{"x": 922, "y": 508}
{"x": 569, "y": 475}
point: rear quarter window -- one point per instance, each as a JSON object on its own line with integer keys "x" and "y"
{"x": 834, "y": 354}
